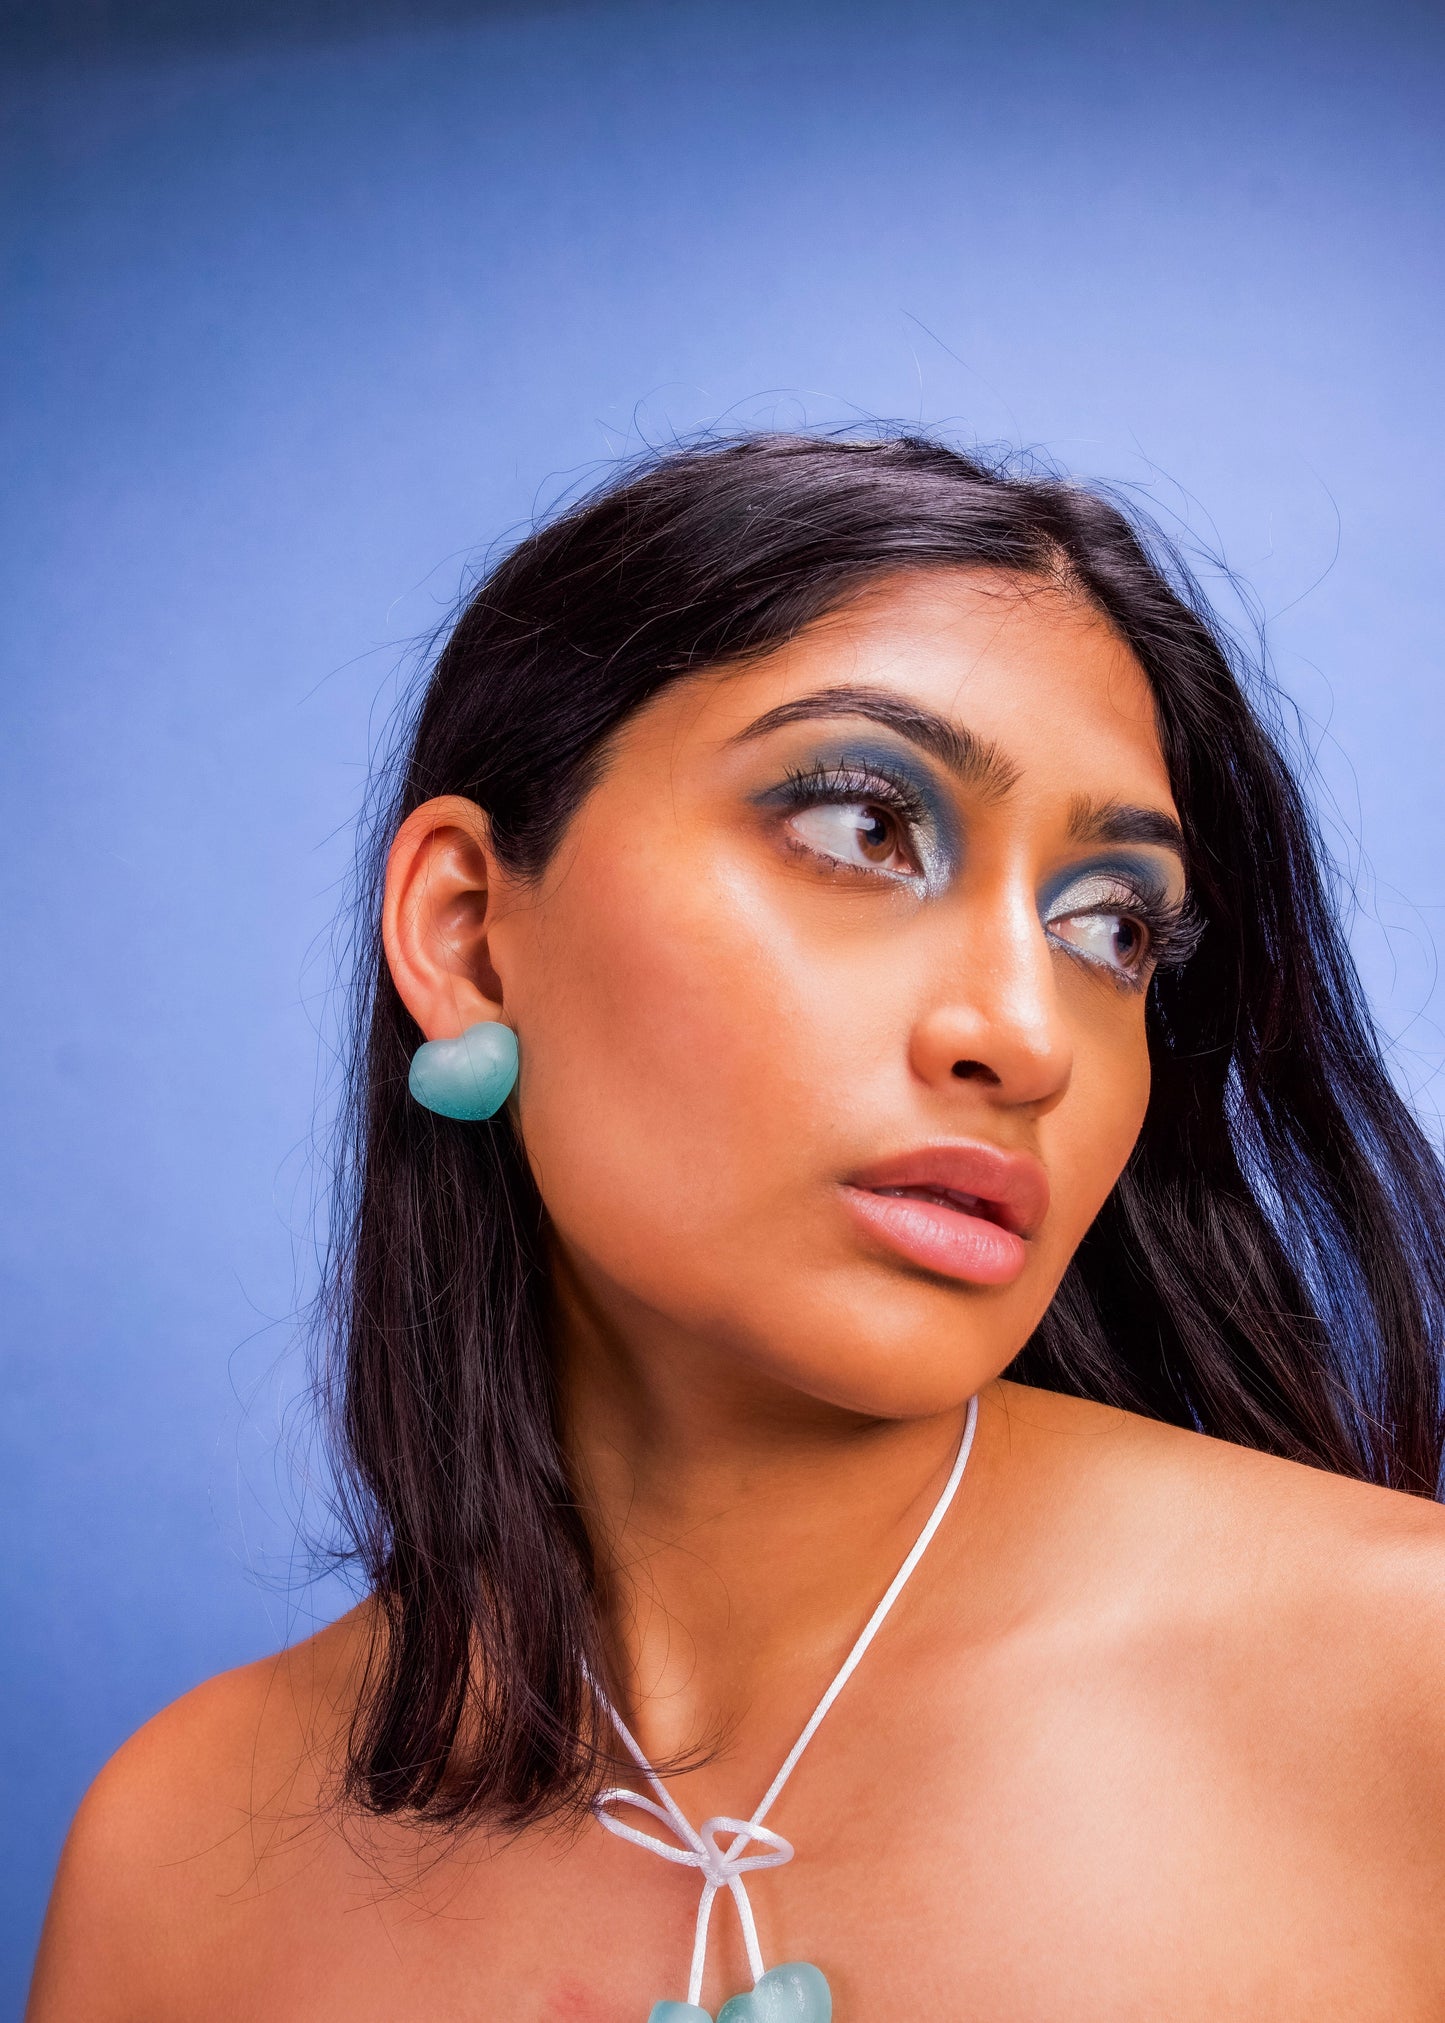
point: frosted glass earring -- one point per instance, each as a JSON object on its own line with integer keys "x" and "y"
{"x": 469, "y": 1078}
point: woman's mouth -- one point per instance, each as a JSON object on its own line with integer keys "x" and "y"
{"x": 965, "y": 1211}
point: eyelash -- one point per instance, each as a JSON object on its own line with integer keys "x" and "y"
{"x": 1173, "y": 930}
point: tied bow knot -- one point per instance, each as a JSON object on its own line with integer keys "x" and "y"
{"x": 721, "y": 1867}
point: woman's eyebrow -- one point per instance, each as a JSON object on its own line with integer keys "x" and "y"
{"x": 1116, "y": 822}
{"x": 972, "y": 758}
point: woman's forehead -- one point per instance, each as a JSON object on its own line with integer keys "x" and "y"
{"x": 1024, "y": 670}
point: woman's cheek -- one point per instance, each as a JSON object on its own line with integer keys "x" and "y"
{"x": 656, "y": 1050}
{"x": 1097, "y": 1126}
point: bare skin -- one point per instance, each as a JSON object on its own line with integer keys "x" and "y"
{"x": 1155, "y": 1731}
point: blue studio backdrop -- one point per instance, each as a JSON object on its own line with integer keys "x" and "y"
{"x": 305, "y": 306}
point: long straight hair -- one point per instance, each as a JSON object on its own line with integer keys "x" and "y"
{"x": 1270, "y": 1267}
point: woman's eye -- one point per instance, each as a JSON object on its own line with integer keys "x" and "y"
{"x": 861, "y": 833}
{"x": 1115, "y": 940}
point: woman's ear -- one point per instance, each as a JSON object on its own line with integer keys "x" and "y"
{"x": 441, "y": 878}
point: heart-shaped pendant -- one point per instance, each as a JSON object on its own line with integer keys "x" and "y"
{"x": 797, "y": 1993}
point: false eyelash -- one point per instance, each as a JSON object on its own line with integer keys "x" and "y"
{"x": 1174, "y": 933}
{"x": 820, "y": 785}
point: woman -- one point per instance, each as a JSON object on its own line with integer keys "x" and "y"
{"x": 944, "y": 1096}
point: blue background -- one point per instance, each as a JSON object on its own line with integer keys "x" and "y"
{"x": 304, "y": 306}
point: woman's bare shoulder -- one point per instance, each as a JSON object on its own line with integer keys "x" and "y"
{"x": 1310, "y": 1606}
{"x": 200, "y": 1809}
{"x": 1251, "y": 1527}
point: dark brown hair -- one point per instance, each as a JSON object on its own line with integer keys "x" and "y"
{"x": 1270, "y": 1268}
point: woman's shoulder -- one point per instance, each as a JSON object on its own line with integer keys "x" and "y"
{"x": 203, "y": 1807}
{"x": 1237, "y": 1526}
{"x": 1291, "y": 1616}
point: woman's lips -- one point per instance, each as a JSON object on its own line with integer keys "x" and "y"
{"x": 965, "y": 1211}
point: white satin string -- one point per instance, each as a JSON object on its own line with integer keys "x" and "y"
{"x": 698, "y": 1847}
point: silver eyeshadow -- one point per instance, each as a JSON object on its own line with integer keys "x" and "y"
{"x": 1098, "y": 884}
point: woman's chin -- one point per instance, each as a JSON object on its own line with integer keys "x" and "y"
{"x": 888, "y": 1350}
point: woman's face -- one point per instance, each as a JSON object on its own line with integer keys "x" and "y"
{"x": 831, "y": 1003}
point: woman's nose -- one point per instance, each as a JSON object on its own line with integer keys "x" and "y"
{"x": 996, "y": 1020}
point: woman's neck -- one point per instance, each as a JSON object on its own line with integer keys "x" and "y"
{"x": 745, "y": 1531}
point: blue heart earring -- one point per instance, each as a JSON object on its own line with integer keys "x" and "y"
{"x": 468, "y": 1078}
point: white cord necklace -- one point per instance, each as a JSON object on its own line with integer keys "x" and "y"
{"x": 797, "y": 1992}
